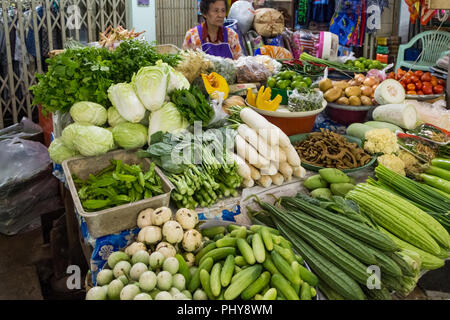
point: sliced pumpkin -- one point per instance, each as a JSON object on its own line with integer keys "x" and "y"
{"x": 215, "y": 82}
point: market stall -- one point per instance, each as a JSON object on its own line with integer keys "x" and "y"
{"x": 198, "y": 177}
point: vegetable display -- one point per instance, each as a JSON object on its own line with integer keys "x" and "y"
{"x": 118, "y": 184}
{"x": 331, "y": 150}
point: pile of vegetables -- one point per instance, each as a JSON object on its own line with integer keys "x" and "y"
{"x": 364, "y": 64}
{"x": 250, "y": 264}
{"x": 331, "y": 150}
{"x": 85, "y": 74}
{"x": 118, "y": 184}
{"x": 200, "y": 176}
{"x": 264, "y": 154}
{"x": 289, "y": 80}
{"x": 359, "y": 91}
{"x": 418, "y": 82}
{"x": 339, "y": 247}
{"x": 154, "y": 267}
{"x": 329, "y": 182}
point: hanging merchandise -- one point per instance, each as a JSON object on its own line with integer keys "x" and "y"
{"x": 302, "y": 12}
{"x": 348, "y": 22}
{"x": 322, "y": 10}
{"x": 426, "y": 14}
{"x": 413, "y": 8}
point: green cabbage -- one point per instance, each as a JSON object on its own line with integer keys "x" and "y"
{"x": 93, "y": 141}
{"x": 124, "y": 99}
{"x": 130, "y": 135}
{"x": 114, "y": 117}
{"x": 167, "y": 119}
{"x": 176, "y": 79}
{"x": 59, "y": 152}
{"x": 150, "y": 84}
{"x": 89, "y": 112}
{"x": 70, "y": 132}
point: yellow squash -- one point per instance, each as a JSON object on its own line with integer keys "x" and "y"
{"x": 215, "y": 82}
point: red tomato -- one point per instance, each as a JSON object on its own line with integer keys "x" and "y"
{"x": 414, "y": 79}
{"x": 411, "y": 92}
{"x": 441, "y": 82}
{"x": 426, "y": 77}
{"x": 411, "y": 87}
{"x": 427, "y": 88}
{"x": 418, "y": 73}
{"x": 420, "y": 92}
{"x": 407, "y": 80}
{"x": 391, "y": 75}
{"x": 434, "y": 81}
{"x": 438, "y": 89}
{"x": 403, "y": 84}
{"x": 418, "y": 85}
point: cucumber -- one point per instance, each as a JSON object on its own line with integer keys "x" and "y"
{"x": 305, "y": 292}
{"x": 383, "y": 125}
{"x": 213, "y": 231}
{"x": 259, "y": 251}
{"x": 271, "y": 294}
{"x": 246, "y": 251}
{"x": 219, "y": 253}
{"x": 183, "y": 268}
{"x": 358, "y": 130}
{"x": 227, "y": 271}
{"x": 215, "y": 279}
{"x": 207, "y": 264}
{"x": 285, "y": 268}
{"x": 315, "y": 182}
{"x": 257, "y": 227}
{"x": 239, "y": 233}
{"x": 267, "y": 238}
{"x": 204, "y": 251}
{"x": 206, "y": 283}
{"x": 269, "y": 265}
{"x": 218, "y": 236}
{"x": 240, "y": 261}
{"x": 226, "y": 242}
{"x": 256, "y": 286}
{"x": 287, "y": 254}
{"x": 248, "y": 276}
{"x": 282, "y": 285}
{"x": 308, "y": 276}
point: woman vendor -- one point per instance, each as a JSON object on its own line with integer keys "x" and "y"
{"x": 211, "y": 36}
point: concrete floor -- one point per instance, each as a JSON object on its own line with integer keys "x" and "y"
{"x": 25, "y": 265}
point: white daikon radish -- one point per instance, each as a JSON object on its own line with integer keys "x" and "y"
{"x": 390, "y": 91}
{"x": 402, "y": 115}
{"x": 243, "y": 169}
{"x": 281, "y": 155}
{"x": 254, "y": 173}
{"x": 248, "y": 183}
{"x": 256, "y": 141}
{"x": 287, "y": 178}
{"x": 285, "y": 169}
{"x": 269, "y": 170}
{"x": 247, "y": 152}
{"x": 292, "y": 156}
{"x": 299, "y": 172}
{"x": 277, "y": 179}
{"x": 283, "y": 138}
{"x": 260, "y": 124}
{"x": 265, "y": 181}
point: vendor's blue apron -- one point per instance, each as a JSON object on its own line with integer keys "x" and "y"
{"x": 216, "y": 49}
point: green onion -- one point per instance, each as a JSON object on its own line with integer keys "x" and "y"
{"x": 336, "y": 65}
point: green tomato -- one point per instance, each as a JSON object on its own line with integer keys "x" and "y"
{"x": 362, "y": 59}
{"x": 282, "y": 85}
{"x": 271, "y": 82}
{"x": 292, "y": 74}
{"x": 296, "y": 84}
{"x": 288, "y": 82}
{"x": 359, "y": 64}
{"x": 297, "y": 78}
{"x": 349, "y": 62}
{"x": 284, "y": 75}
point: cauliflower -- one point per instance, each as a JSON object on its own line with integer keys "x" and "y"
{"x": 381, "y": 141}
{"x": 393, "y": 163}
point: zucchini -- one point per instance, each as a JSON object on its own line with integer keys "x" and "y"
{"x": 342, "y": 239}
{"x": 351, "y": 227}
{"x": 257, "y": 286}
{"x": 328, "y": 272}
{"x": 248, "y": 276}
{"x": 283, "y": 287}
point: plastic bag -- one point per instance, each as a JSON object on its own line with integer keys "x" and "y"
{"x": 305, "y": 101}
{"x": 250, "y": 70}
{"x": 21, "y": 160}
{"x": 272, "y": 65}
{"x": 381, "y": 74}
{"x": 244, "y": 13}
{"x": 304, "y": 41}
{"x": 268, "y": 22}
{"x": 225, "y": 67}
{"x": 435, "y": 114}
{"x": 219, "y": 114}
{"x": 274, "y": 52}
{"x": 26, "y": 129}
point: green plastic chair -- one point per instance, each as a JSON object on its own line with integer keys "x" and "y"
{"x": 434, "y": 44}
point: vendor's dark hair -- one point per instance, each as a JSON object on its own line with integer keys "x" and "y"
{"x": 205, "y": 4}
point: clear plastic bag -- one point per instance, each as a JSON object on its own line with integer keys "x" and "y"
{"x": 249, "y": 70}
{"x": 225, "y": 67}
{"x": 305, "y": 101}
{"x": 219, "y": 114}
{"x": 244, "y": 13}
{"x": 26, "y": 129}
